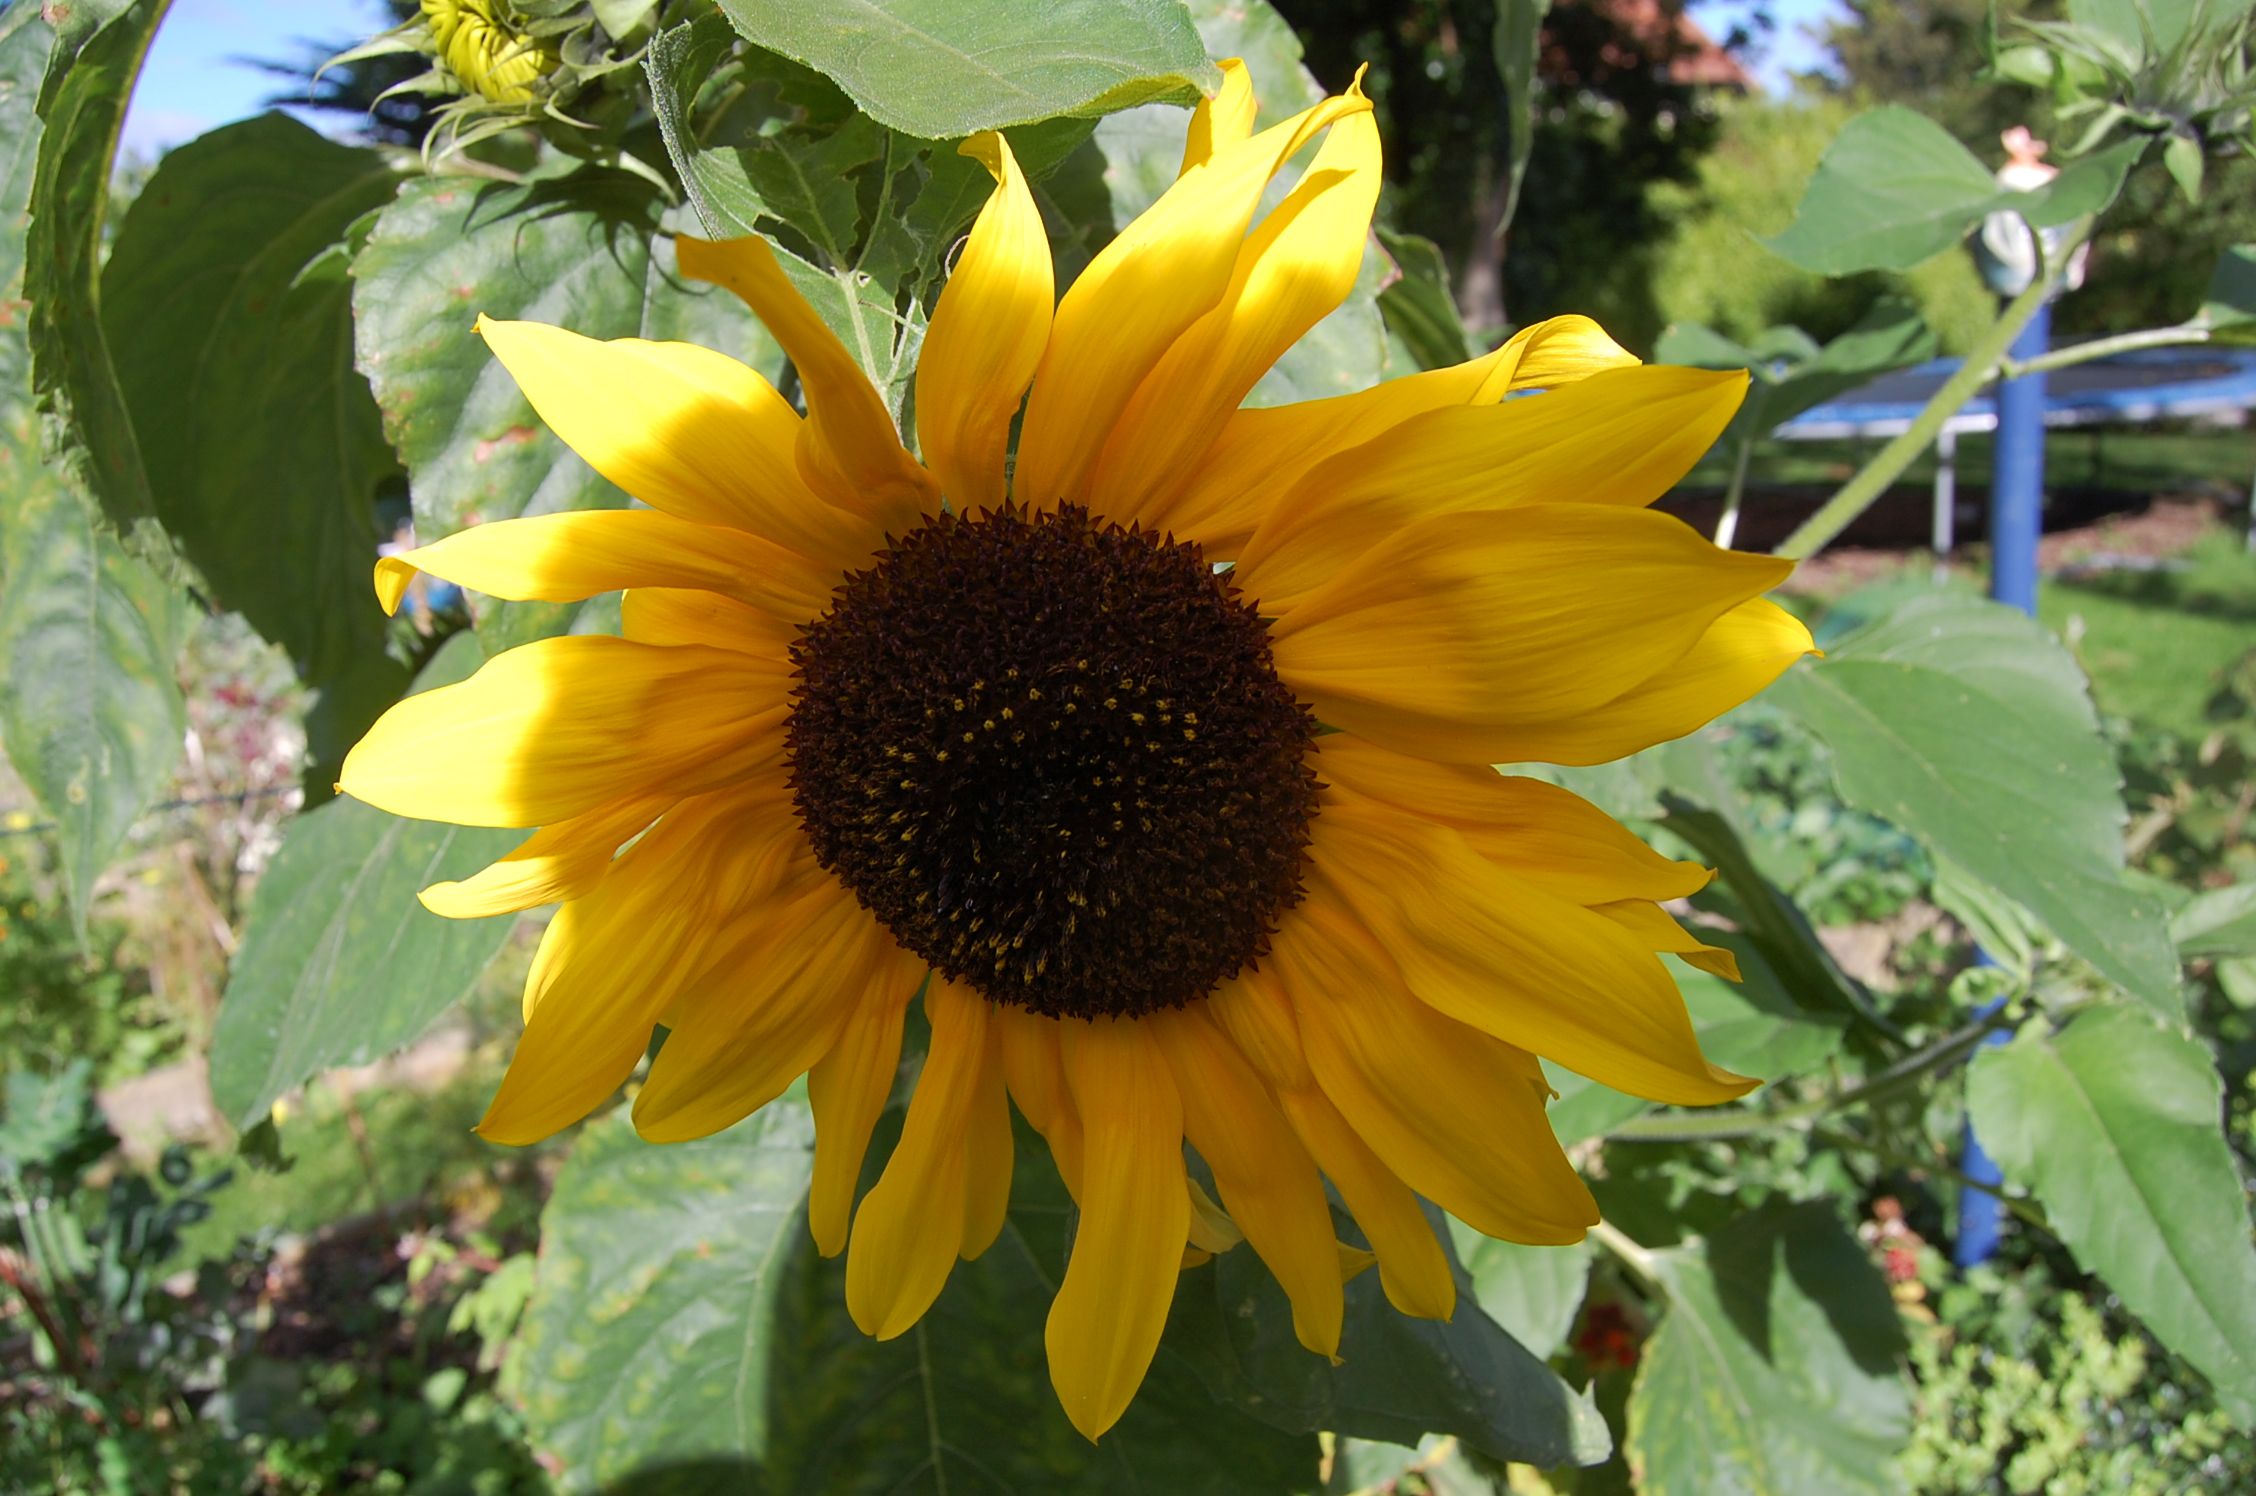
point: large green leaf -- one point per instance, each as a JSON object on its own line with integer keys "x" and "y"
{"x": 339, "y": 964}
{"x": 1533, "y": 1293}
{"x": 945, "y": 68}
{"x": 684, "y": 1336}
{"x": 1774, "y": 1370}
{"x": 1398, "y": 1378}
{"x": 2113, "y": 1123}
{"x": 1793, "y": 373}
{"x": 578, "y": 253}
{"x": 1894, "y": 189}
{"x": 1421, "y": 316}
{"x": 2230, "y": 307}
{"x": 25, "y": 42}
{"x": 1518, "y": 43}
{"x": 1966, "y": 724}
{"x": 229, "y": 318}
{"x": 81, "y": 106}
{"x": 89, "y": 709}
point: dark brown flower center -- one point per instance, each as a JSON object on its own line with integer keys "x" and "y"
{"x": 1054, "y": 758}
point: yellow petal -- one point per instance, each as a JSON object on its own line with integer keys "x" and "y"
{"x": 614, "y": 960}
{"x": 554, "y": 728}
{"x": 1223, "y": 120}
{"x": 683, "y": 428}
{"x": 1258, "y": 1017}
{"x": 764, "y": 1006}
{"x": 847, "y": 1090}
{"x": 910, "y": 1226}
{"x": 1160, "y": 275}
{"x": 1549, "y": 836}
{"x": 1455, "y": 1113}
{"x": 1266, "y": 1178}
{"x": 1105, "y": 1322}
{"x": 1262, "y": 453}
{"x": 1621, "y": 437}
{"x": 566, "y": 557}
{"x": 989, "y": 1153}
{"x": 1035, "y": 1076}
{"x": 1741, "y": 652}
{"x": 558, "y": 862}
{"x": 987, "y": 335}
{"x": 847, "y": 450}
{"x": 1212, "y": 1230}
{"x": 1412, "y": 1268}
{"x": 1657, "y": 930}
{"x": 669, "y": 615}
{"x": 1439, "y": 641}
{"x": 1298, "y": 264}
{"x": 1499, "y": 954}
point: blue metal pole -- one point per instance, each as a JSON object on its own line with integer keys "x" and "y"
{"x": 2016, "y": 520}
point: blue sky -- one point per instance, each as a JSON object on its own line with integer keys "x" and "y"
{"x": 194, "y": 80}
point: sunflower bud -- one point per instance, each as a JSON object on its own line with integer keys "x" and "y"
{"x": 478, "y": 43}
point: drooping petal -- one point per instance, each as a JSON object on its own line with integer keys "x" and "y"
{"x": 1105, "y": 1322}
{"x": 989, "y": 1154}
{"x": 1223, "y": 120}
{"x": 1621, "y": 437}
{"x": 1257, "y": 1014}
{"x": 1297, "y": 265}
{"x": 847, "y": 1089}
{"x": 554, "y": 728}
{"x": 847, "y": 450}
{"x": 1456, "y": 1113}
{"x": 910, "y": 1226}
{"x": 1160, "y": 275}
{"x": 556, "y": 863}
{"x": 614, "y": 960}
{"x": 1268, "y": 1183}
{"x": 563, "y": 558}
{"x": 1440, "y": 640}
{"x": 1654, "y": 926}
{"x": 1550, "y": 836}
{"x": 1035, "y": 1076}
{"x": 1502, "y": 956}
{"x": 683, "y": 428}
{"x": 987, "y": 334}
{"x": 1262, "y": 453}
{"x": 763, "y": 1008}
{"x": 1743, "y": 651}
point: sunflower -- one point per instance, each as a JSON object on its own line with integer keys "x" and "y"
{"x": 1172, "y": 851}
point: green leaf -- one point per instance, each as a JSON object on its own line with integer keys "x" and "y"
{"x": 1792, "y": 373}
{"x": 578, "y": 253}
{"x": 24, "y": 48}
{"x": 1533, "y": 1293}
{"x": 1519, "y": 40}
{"x": 1894, "y": 190}
{"x": 1968, "y": 726}
{"x": 2230, "y": 308}
{"x": 1398, "y": 1379}
{"x": 942, "y": 68}
{"x": 1417, "y": 306}
{"x": 2221, "y": 922}
{"x": 89, "y": 708}
{"x": 684, "y": 1336}
{"x": 339, "y": 964}
{"x": 81, "y": 105}
{"x": 230, "y": 322}
{"x": 1774, "y": 1369}
{"x": 2113, "y": 1123}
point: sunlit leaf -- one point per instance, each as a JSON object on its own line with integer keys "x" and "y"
{"x": 1968, "y": 726}
{"x": 2114, "y": 1124}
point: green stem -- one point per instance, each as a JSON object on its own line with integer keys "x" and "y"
{"x": 2083, "y": 353}
{"x": 1717, "y": 1127}
{"x": 1639, "y": 1260}
{"x": 1727, "y": 528}
{"x": 1980, "y": 366}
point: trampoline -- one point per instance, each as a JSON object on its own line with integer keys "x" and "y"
{"x": 2127, "y": 389}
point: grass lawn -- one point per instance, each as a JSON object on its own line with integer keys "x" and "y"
{"x": 2154, "y": 641}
